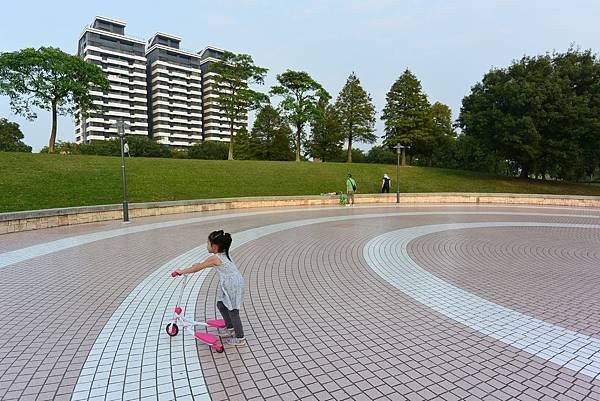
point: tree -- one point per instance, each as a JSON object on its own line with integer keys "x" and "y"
{"x": 50, "y": 79}
{"x": 326, "y": 132}
{"x": 442, "y": 133}
{"x": 245, "y": 148}
{"x": 573, "y": 139}
{"x": 300, "y": 94}
{"x": 498, "y": 113}
{"x": 466, "y": 153}
{"x": 541, "y": 114}
{"x": 10, "y": 137}
{"x": 235, "y": 73}
{"x": 441, "y": 117}
{"x": 282, "y": 144}
{"x": 406, "y": 114}
{"x": 271, "y": 135}
{"x": 356, "y": 113}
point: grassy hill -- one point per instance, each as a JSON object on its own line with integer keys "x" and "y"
{"x": 41, "y": 181}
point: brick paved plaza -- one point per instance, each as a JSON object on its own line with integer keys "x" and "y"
{"x": 371, "y": 302}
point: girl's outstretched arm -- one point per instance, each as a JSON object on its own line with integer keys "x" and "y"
{"x": 211, "y": 261}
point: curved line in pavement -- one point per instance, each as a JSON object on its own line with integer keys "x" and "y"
{"x": 30, "y": 252}
{"x": 388, "y": 256}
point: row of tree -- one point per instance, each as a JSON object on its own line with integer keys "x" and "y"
{"x": 409, "y": 118}
{"x": 539, "y": 116}
{"x": 278, "y": 147}
{"x": 53, "y": 80}
{"x": 303, "y": 102}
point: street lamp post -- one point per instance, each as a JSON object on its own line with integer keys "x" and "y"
{"x": 121, "y": 125}
{"x": 398, "y": 148}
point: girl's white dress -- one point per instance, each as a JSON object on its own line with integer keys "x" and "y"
{"x": 231, "y": 283}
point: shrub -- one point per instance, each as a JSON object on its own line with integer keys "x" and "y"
{"x": 209, "y": 150}
{"x": 139, "y": 146}
{"x": 381, "y": 155}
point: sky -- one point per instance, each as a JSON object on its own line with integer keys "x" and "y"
{"x": 449, "y": 45}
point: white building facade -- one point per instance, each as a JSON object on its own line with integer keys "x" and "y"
{"x": 123, "y": 60}
{"x": 174, "y": 92}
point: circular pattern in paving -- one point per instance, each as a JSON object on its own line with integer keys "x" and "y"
{"x": 548, "y": 273}
{"x": 363, "y": 303}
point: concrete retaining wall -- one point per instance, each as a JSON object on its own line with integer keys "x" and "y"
{"x": 33, "y": 220}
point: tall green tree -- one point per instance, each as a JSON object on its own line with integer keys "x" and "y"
{"x": 266, "y": 124}
{"x": 235, "y": 73}
{"x": 406, "y": 114}
{"x": 356, "y": 113}
{"x": 442, "y": 132}
{"x": 300, "y": 94}
{"x": 441, "y": 117}
{"x": 326, "y": 132}
{"x": 50, "y": 79}
{"x": 283, "y": 144}
{"x": 271, "y": 135}
{"x": 245, "y": 148}
{"x": 11, "y": 137}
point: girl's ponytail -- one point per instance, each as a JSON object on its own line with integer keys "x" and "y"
{"x": 222, "y": 240}
{"x": 227, "y": 244}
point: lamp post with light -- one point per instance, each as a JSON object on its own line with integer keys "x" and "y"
{"x": 399, "y": 149}
{"x": 121, "y": 125}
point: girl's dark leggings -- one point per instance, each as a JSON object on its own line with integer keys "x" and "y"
{"x": 232, "y": 319}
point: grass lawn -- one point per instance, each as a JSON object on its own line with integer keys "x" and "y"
{"x": 42, "y": 181}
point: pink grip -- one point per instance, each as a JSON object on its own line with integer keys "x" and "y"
{"x": 175, "y": 274}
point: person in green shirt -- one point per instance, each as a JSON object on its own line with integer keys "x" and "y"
{"x": 350, "y": 189}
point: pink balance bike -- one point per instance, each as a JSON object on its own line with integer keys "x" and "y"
{"x": 188, "y": 324}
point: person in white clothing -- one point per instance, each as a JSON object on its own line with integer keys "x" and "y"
{"x": 385, "y": 184}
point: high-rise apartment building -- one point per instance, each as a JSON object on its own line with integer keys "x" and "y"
{"x": 174, "y": 92}
{"x": 215, "y": 122}
{"x": 160, "y": 90}
{"x": 123, "y": 60}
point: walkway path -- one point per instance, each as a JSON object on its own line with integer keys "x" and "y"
{"x": 423, "y": 302}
